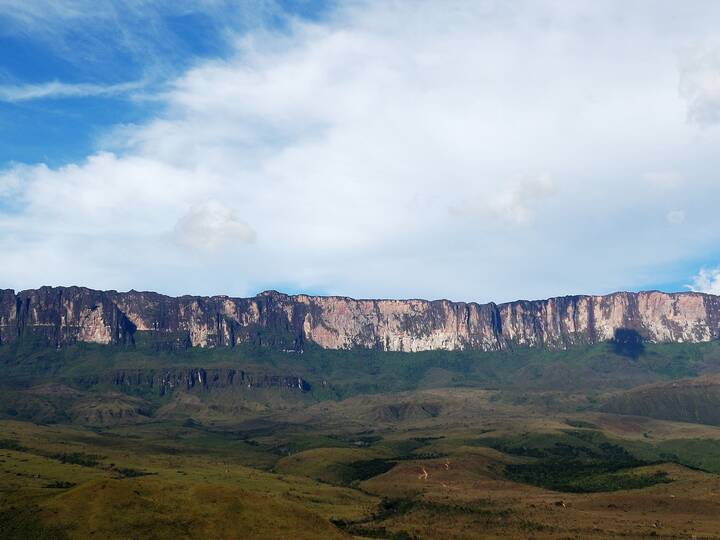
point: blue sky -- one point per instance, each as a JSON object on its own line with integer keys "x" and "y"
{"x": 470, "y": 150}
{"x": 111, "y": 50}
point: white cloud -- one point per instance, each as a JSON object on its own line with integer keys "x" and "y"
{"x": 514, "y": 204}
{"x": 131, "y": 39}
{"x": 55, "y": 89}
{"x": 675, "y": 217}
{"x": 343, "y": 145}
{"x": 707, "y": 280}
{"x": 210, "y": 227}
{"x": 700, "y": 84}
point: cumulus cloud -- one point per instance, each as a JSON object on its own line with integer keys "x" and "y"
{"x": 707, "y": 280}
{"x": 210, "y": 227}
{"x": 343, "y": 143}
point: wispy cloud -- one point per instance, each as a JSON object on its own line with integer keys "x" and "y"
{"x": 158, "y": 37}
{"x": 55, "y": 89}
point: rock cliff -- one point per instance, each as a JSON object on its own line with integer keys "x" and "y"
{"x": 60, "y": 316}
{"x": 165, "y": 381}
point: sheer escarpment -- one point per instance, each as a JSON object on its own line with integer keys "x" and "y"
{"x": 60, "y": 316}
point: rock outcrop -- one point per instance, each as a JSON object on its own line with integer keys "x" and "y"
{"x": 64, "y": 315}
{"x": 166, "y": 381}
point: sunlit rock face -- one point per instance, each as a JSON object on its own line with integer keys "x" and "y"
{"x": 64, "y": 315}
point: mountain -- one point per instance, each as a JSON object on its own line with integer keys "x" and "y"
{"x": 361, "y": 418}
{"x": 65, "y": 315}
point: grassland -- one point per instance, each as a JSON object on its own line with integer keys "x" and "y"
{"x": 451, "y": 475}
{"x": 437, "y": 445}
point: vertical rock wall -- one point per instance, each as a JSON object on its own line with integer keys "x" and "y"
{"x": 65, "y": 315}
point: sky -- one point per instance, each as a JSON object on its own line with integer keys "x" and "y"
{"x": 471, "y": 150}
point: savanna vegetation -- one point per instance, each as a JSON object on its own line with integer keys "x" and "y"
{"x": 376, "y": 445}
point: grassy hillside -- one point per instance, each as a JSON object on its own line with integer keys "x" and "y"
{"x": 509, "y": 473}
{"x": 686, "y": 400}
{"x": 517, "y": 444}
{"x": 90, "y": 369}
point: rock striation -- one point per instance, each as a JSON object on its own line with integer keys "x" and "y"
{"x": 60, "y": 316}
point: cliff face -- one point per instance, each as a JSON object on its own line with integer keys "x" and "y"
{"x": 64, "y": 315}
{"x": 189, "y": 378}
